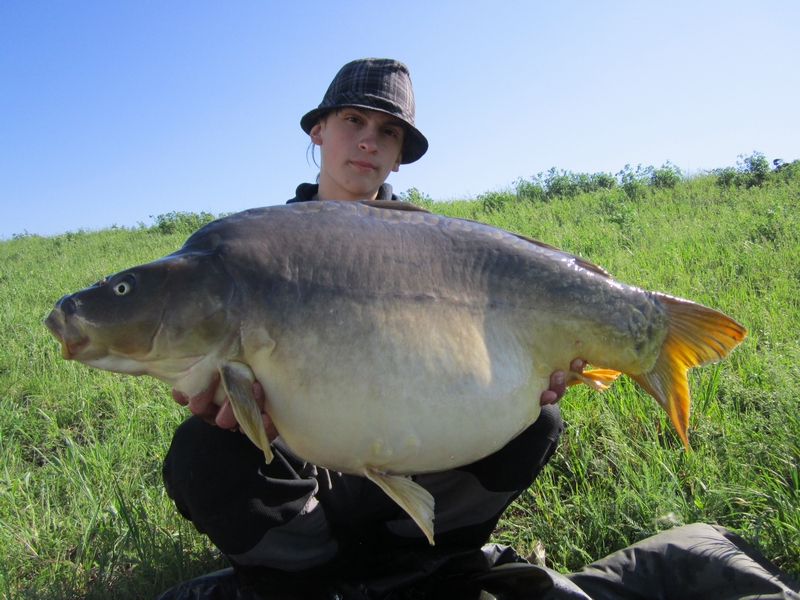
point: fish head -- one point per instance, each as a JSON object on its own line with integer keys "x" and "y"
{"x": 159, "y": 318}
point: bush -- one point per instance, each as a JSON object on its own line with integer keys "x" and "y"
{"x": 667, "y": 177}
{"x": 726, "y": 176}
{"x": 755, "y": 168}
{"x": 562, "y": 184}
{"x": 414, "y": 196}
{"x": 181, "y": 222}
{"x": 785, "y": 172}
{"x": 495, "y": 201}
{"x": 750, "y": 171}
{"x": 529, "y": 189}
{"x": 633, "y": 182}
{"x": 597, "y": 181}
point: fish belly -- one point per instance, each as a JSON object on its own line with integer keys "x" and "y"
{"x": 426, "y": 392}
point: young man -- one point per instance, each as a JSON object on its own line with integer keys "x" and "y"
{"x": 291, "y": 516}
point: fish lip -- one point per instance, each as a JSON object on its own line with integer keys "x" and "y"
{"x": 70, "y": 350}
{"x": 57, "y": 324}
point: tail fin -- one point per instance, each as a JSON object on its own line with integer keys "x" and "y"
{"x": 697, "y": 335}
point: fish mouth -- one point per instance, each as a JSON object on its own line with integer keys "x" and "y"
{"x": 72, "y": 343}
{"x": 70, "y": 350}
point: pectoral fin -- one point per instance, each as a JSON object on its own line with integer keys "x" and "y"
{"x": 598, "y": 379}
{"x": 412, "y": 498}
{"x": 238, "y": 378}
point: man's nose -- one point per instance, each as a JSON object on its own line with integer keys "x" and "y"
{"x": 369, "y": 139}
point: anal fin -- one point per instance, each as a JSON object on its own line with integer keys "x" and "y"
{"x": 238, "y": 378}
{"x": 412, "y": 498}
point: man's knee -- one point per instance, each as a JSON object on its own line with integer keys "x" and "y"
{"x": 203, "y": 461}
{"x": 218, "y": 479}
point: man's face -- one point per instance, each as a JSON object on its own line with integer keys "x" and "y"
{"x": 359, "y": 147}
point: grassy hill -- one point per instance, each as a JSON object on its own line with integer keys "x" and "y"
{"x": 83, "y": 511}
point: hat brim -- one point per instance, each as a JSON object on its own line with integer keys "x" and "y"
{"x": 415, "y": 145}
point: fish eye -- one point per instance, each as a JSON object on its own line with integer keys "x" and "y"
{"x": 124, "y": 286}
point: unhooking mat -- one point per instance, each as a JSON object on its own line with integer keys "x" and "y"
{"x": 694, "y": 562}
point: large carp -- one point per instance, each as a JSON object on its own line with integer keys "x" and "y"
{"x": 389, "y": 341}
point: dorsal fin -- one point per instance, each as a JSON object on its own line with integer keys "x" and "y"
{"x": 582, "y": 262}
{"x": 579, "y": 260}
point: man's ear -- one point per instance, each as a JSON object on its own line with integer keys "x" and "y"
{"x": 396, "y": 166}
{"x": 316, "y": 133}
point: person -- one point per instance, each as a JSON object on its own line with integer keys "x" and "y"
{"x": 291, "y": 516}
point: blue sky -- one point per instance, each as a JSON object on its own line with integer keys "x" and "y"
{"x": 111, "y": 112}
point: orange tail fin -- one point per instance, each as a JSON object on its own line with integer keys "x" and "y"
{"x": 697, "y": 335}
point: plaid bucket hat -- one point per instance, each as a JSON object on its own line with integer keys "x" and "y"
{"x": 381, "y": 84}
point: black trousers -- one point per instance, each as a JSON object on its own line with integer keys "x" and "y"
{"x": 219, "y": 481}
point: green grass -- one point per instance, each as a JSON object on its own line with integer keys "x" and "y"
{"x": 83, "y": 512}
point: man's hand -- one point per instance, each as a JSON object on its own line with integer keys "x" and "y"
{"x": 202, "y": 405}
{"x": 558, "y": 383}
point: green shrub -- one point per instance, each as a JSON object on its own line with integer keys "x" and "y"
{"x": 750, "y": 171}
{"x": 595, "y": 182}
{"x": 561, "y": 184}
{"x": 558, "y": 183}
{"x": 496, "y": 201}
{"x": 755, "y": 167}
{"x": 530, "y": 189}
{"x": 414, "y": 196}
{"x": 785, "y": 172}
{"x": 726, "y": 176}
{"x": 181, "y": 222}
{"x": 667, "y": 177}
{"x": 634, "y": 182}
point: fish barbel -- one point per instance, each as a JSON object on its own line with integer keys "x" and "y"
{"x": 389, "y": 341}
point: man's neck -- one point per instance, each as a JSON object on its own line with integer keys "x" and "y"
{"x": 324, "y": 193}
